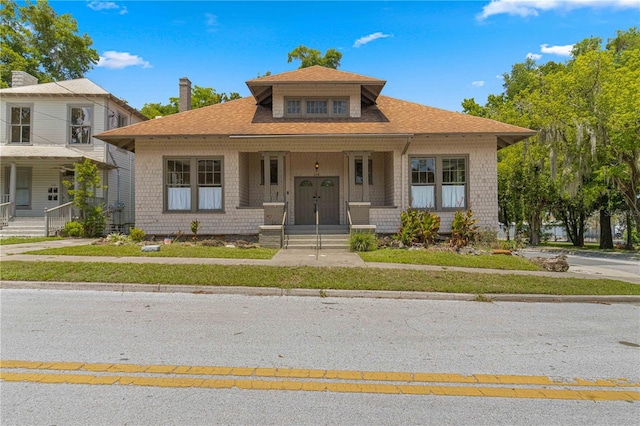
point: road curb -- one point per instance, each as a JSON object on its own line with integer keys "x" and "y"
{"x": 301, "y": 292}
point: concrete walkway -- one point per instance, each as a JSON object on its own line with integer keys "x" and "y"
{"x": 294, "y": 258}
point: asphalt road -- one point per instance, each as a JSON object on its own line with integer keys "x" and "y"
{"x": 481, "y": 363}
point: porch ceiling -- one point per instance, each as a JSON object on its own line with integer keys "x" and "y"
{"x": 30, "y": 152}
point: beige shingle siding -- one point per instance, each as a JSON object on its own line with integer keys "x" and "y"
{"x": 389, "y": 197}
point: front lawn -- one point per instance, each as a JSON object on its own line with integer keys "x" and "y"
{"x": 23, "y": 240}
{"x": 311, "y": 278}
{"x": 166, "y": 250}
{"x": 446, "y": 258}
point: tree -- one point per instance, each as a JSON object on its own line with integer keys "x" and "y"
{"x": 588, "y": 142}
{"x": 200, "y": 97}
{"x": 83, "y": 191}
{"x": 310, "y": 57}
{"x": 46, "y": 45}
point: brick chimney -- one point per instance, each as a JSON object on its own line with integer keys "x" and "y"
{"x": 21, "y": 78}
{"x": 185, "y": 95}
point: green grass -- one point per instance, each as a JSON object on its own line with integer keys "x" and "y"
{"x": 444, "y": 258}
{"x": 23, "y": 240}
{"x": 311, "y": 278}
{"x": 166, "y": 250}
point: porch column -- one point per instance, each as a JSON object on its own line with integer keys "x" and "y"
{"x": 266, "y": 175}
{"x": 281, "y": 177}
{"x": 280, "y": 186}
{"x": 365, "y": 176}
{"x": 352, "y": 175}
{"x": 12, "y": 188}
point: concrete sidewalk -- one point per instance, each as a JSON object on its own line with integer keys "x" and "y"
{"x": 291, "y": 257}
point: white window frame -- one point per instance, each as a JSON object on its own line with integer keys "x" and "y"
{"x": 80, "y": 125}
{"x": 194, "y": 192}
{"x": 20, "y": 125}
{"x": 437, "y": 195}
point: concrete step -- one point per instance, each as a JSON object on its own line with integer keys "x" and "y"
{"x": 308, "y": 241}
{"x": 24, "y": 227}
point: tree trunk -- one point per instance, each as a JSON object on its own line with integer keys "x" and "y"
{"x": 535, "y": 223}
{"x": 606, "y": 236}
{"x": 580, "y": 234}
{"x": 629, "y": 244}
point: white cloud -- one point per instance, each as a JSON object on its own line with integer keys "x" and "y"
{"x": 557, "y": 50}
{"x": 534, "y": 7}
{"x": 368, "y": 39}
{"x": 211, "y": 22}
{"x": 106, "y": 5}
{"x": 118, "y": 60}
{"x": 534, "y": 56}
{"x": 479, "y": 83}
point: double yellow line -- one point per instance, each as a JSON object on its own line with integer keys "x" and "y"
{"x": 344, "y": 381}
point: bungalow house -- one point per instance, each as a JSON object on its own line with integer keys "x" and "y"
{"x": 314, "y": 142}
{"x": 45, "y": 129}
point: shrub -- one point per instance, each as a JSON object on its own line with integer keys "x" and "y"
{"x": 136, "y": 234}
{"x": 116, "y": 237}
{"x": 72, "y": 229}
{"x": 94, "y": 222}
{"x": 363, "y": 241}
{"x": 487, "y": 238}
{"x": 418, "y": 226}
{"x": 463, "y": 229}
{"x": 195, "y": 225}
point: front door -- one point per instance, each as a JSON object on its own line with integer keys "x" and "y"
{"x": 323, "y": 190}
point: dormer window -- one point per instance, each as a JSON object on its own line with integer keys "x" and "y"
{"x": 340, "y": 107}
{"x": 293, "y": 106}
{"x": 315, "y": 107}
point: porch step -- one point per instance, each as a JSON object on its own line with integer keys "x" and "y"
{"x": 23, "y": 227}
{"x": 308, "y": 241}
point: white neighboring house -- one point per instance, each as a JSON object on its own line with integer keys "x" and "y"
{"x": 45, "y": 129}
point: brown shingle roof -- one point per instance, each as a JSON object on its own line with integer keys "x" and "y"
{"x": 243, "y": 117}
{"x": 315, "y": 74}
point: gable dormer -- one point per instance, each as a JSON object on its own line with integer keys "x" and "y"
{"x": 316, "y": 92}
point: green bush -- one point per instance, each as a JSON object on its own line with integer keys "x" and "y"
{"x": 418, "y": 226}
{"x": 463, "y": 229}
{"x": 136, "y": 234}
{"x": 94, "y": 222}
{"x": 72, "y": 229}
{"x": 363, "y": 241}
{"x": 116, "y": 237}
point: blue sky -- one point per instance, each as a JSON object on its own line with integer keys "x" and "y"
{"x": 432, "y": 52}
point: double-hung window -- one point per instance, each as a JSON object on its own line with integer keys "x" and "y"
{"x": 20, "y": 125}
{"x": 439, "y": 182}
{"x": 209, "y": 184}
{"x": 453, "y": 183}
{"x": 193, "y": 184}
{"x": 80, "y": 124}
{"x": 423, "y": 181}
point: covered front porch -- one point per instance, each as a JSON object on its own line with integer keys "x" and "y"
{"x": 304, "y": 188}
{"x": 32, "y": 185}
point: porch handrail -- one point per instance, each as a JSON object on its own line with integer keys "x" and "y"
{"x": 349, "y": 221}
{"x": 317, "y": 232}
{"x": 57, "y": 217}
{"x": 5, "y": 213}
{"x": 284, "y": 221}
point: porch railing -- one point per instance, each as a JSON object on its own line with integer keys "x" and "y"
{"x": 5, "y": 213}
{"x": 56, "y": 218}
{"x": 4, "y": 198}
{"x": 349, "y": 220}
